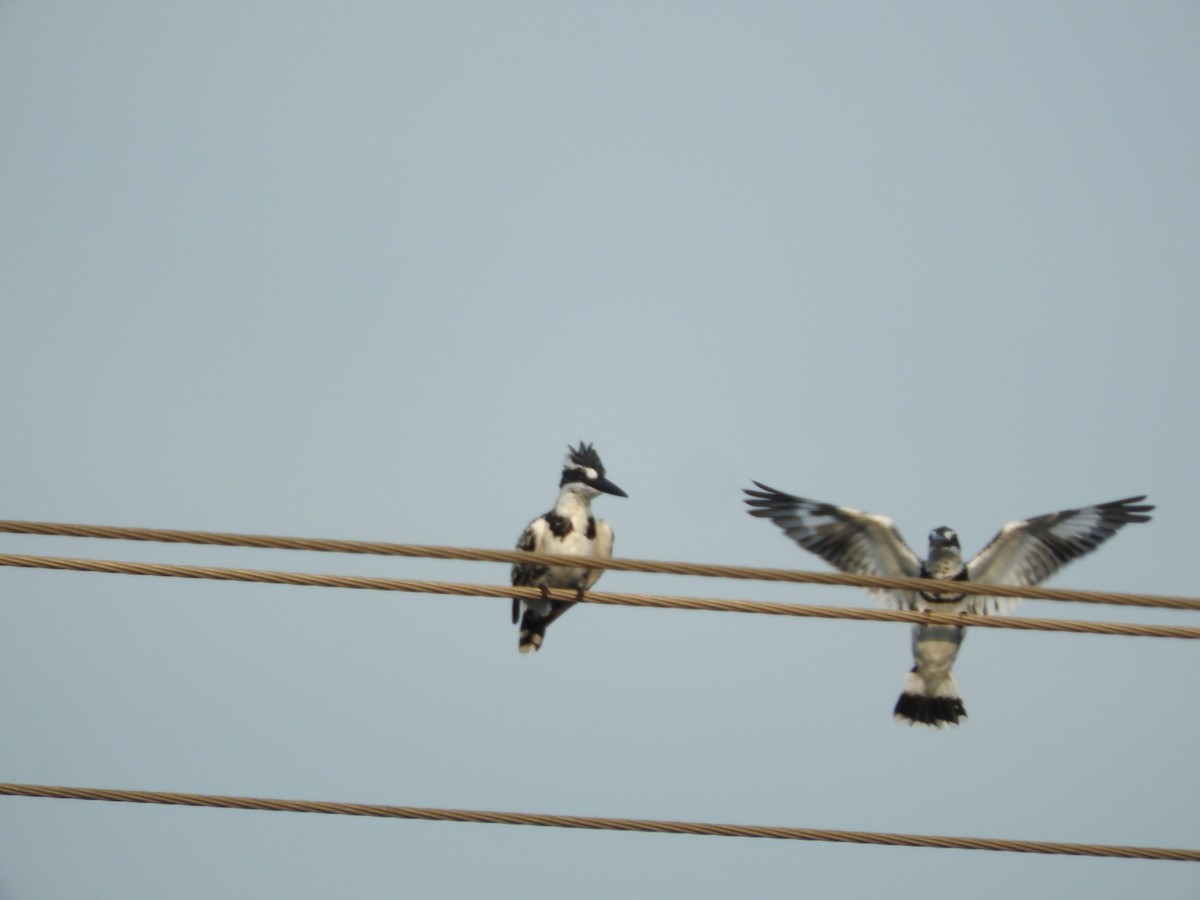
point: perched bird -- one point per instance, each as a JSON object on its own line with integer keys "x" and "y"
{"x": 568, "y": 529}
{"x": 1022, "y": 554}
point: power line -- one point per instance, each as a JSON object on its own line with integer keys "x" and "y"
{"x": 603, "y": 598}
{"x": 600, "y": 824}
{"x": 382, "y": 548}
{"x": 114, "y": 567}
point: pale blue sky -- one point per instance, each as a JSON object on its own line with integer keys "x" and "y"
{"x": 364, "y": 270}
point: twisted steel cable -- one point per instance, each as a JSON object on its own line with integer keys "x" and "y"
{"x": 382, "y": 548}
{"x": 601, "y": 824}
{"x": 114, "y": 567}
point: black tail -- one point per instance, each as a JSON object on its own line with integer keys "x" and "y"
{"x": 917, "y": 707}
{"x": 533, "y": 632}
{"x": 534, "y": 625}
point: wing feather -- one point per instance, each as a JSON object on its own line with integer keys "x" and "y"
{"x": 532, "y": 539}
{"x": 1028, "y": 552}
{"x": 853, "y": 541}
{"x": 603, "y": 548}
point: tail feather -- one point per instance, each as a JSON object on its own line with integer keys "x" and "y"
{"x": 939, "y": 708}
{"x": 534, "y": 625}
{"x": 533, "y": 632}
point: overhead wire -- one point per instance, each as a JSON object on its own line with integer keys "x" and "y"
{"x": 602, "y": 598}
{"x": 383, "y": 548}
{"x": 602, "y": 824}
{"x": 359, "y": 582}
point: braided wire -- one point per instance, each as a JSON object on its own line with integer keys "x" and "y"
{"x": 599, "y": 823}
{"x": 655, "y": 601}
{"x": 382, "y": 548}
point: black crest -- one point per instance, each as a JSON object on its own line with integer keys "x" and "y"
{"x": 585, "y": 455}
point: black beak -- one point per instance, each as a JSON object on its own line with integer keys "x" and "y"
{"x": 603, "y": 484}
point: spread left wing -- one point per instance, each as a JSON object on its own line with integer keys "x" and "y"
{"x": 1028, "y": 552}
{"x": 853, "y": 541}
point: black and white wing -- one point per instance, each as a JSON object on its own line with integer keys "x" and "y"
{"x": 603, "y": 548}
{"x": 853, "y": 541}
{"x": 1028, "y": 552}
{"x": 527, "y": 574}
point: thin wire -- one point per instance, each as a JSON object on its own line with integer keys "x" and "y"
{"x": 379, "y": 548}
{"x": 114, "y": 567}
{"x": 600, "y": 824}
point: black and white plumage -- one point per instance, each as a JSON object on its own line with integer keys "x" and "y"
{"x": 1022, "y": 553}
{"x": 571, "y": 530}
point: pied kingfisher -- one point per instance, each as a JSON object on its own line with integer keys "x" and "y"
{"x": 569, "y": 529}
{"x": 1023, "y": 553}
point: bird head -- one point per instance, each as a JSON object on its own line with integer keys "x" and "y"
{"x": 943, "y": 537}
{"x": 584, "y": 473}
